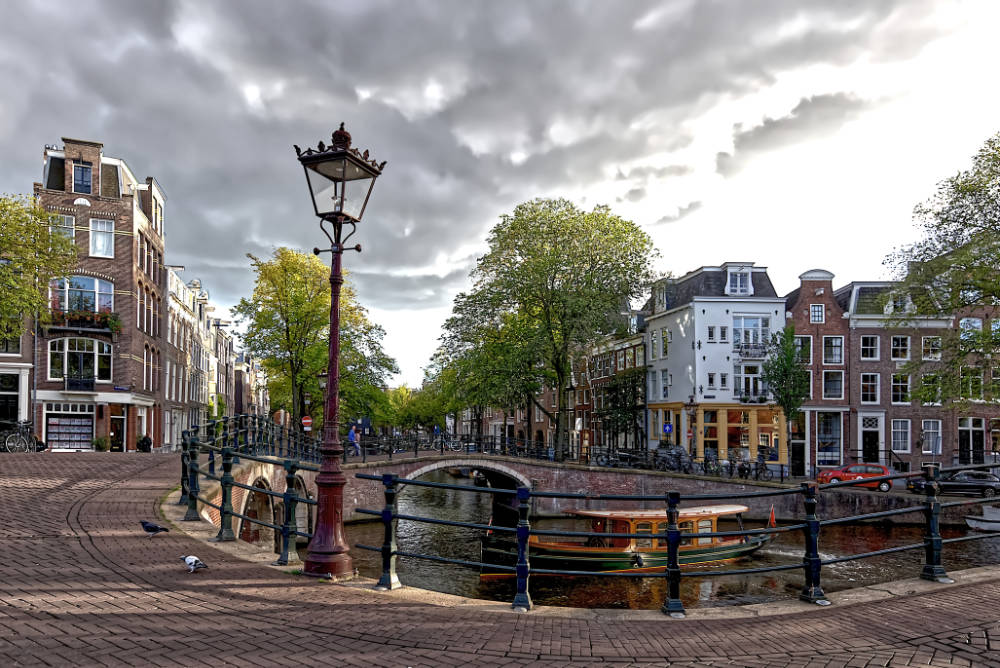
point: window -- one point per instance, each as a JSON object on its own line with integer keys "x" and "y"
{"x": 654, "y": 341}
{"x": 971, "y": 383}
{"x": 833, "y": 350}
{"x": 747, "y": 380}
{"x": 739, "y": 283}
{"x": 930, "y": 389}
{"x": 833, "y": 384}
{"x": 664, "y": 340}
{"x": 621, "y": 360}
{"x": 810, "y": 384}
{"x": 817, "y": 314}
{"x": 10, "y": 384}
{"x": 724, "y": 381}
{"x": 79, "y": 358}
{"x": 803, "y": 349}
{"x": 994, "y": 382}
{"x": 900, "y": 436}
{"x": 81, "y": 177}
{"x": 664, "y": 383}
{"x": 931, "y": 348}
{"x": 723, "y": 333}
{"x": 970, "y": 328}
{"x": 64, "y": 225}
{"x": 829, "y": 439}
{"x": 869, "y": 347}
{"x": 102, "y": 238}
{"x": 931, "y": 437}
{"x": 652, "y": 383}
{"x": 751, "y": 329}
{"x": 711, "y": 333}
{"x": 869, "y": 388}
{"x": 900, "y": 388}
{"x": 900, "y": 349}
{"x": 711, "y": 381}
{"x": 82, "y": 293}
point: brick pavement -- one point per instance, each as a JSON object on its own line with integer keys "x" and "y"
{"x": 80, "y": 584}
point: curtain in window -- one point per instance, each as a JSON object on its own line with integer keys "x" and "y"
{"x": 102, "y": 238}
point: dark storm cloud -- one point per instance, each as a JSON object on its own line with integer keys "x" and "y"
{"x": 812, "y": 117}
{"x": 683, "y": 211}
{"x": 475, "y": 106}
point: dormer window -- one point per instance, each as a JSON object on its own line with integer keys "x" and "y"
{"x": 739, "y": 283}
{"x": 81, "y": 177}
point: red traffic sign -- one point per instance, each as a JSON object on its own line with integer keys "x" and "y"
{"x": 307, "y": 422}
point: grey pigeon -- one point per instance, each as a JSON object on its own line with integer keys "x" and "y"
{"x": 193, "y": 563}
{"x": 152, "y": 529}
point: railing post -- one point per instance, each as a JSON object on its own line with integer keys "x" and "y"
{"x": 185, "y": 439}
{"x": 290, "y": 520}
{"x": 812, "y": 591}
{"x": 389, "y": 580}
{"x": 416, "y": 445}
{"x": 522, "y": 600}
{"x": 933, "y": 570}
{"x": 226, "y": 483}
{"x": 193, "y": 487}
{"x": 673, "y": 606}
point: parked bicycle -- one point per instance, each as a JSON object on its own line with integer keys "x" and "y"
{"x": 711, "y": 467}
{"x": 22, "y": 439}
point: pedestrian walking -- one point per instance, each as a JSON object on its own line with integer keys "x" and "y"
{"x": 352, "y": 438}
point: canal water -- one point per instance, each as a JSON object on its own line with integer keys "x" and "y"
{"x": 647, "y": 592}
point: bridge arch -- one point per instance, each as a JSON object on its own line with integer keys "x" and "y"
{"x": 472, "y": 463}
{"x": 257, "y": 505}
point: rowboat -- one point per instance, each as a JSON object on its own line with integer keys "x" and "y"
{"x": 988, "y": 521}
{"x": 610, "y": 554}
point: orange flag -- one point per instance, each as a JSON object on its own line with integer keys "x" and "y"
{"x": 771, "y": 522}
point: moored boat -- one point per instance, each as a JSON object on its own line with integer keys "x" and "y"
{"x": 614, "y": 554}
{"x": 988, "y": 521}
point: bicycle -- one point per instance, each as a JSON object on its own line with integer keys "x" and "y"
{"x": 762, "y": 472}
{"x": 22, "y": 439}
{"x": 711, "y": 467}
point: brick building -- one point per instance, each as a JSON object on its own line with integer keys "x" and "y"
{"x": 100, "y": 361}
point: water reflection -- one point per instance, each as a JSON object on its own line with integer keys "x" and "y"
{"x": 698, "y": 590}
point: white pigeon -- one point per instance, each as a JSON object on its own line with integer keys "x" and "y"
{"x": 193, "y": 563}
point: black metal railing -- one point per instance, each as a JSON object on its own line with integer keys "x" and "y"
{"x": 252, "y": 438}
{"x": 77, "y": 383}
{"x": 810, "y": 525}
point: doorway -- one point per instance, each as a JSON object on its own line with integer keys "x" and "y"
{"x": 116, "y": 433}
{"x": 971, "y": 440}
{"x": 871, "y": 438}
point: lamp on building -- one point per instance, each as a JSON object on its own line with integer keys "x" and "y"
{"x": 340, "y": 180}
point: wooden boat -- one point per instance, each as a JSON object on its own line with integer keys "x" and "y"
{"x": 598, "y": 554}
{"x": 988, "y": 521}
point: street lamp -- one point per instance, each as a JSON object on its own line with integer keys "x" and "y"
{"x": 340, "y": 182}
{"x": 690, "y": 407}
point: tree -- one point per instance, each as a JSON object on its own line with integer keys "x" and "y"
{"x": 31, "y": 256}
{"x": 951, "y": 271}
{"x": 564, "y": 276}
{"x": 785, "y": 374}
{"x": 625, "y": 404}
{"x": 287, "y": 326}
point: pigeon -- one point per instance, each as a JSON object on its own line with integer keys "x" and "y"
{"x": 152, "y": 529}
{"x": 193, "y": 563}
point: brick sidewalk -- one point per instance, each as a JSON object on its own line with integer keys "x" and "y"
{"x": 80, "y": 584}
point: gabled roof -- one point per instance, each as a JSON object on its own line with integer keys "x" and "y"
{"x": 711, "y": 282}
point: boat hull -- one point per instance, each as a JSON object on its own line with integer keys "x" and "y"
{"x": 499, "y": 552}
{"x": 983, "y": 523}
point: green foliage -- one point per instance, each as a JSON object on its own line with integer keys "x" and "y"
{"x": 30, "y": 257}
{"x": 101, "y": 443}
{"x": 625, "y": 403}
{"x": 554, "y": 280}
{"x": 287, "y": 326}
{"x": 951, "y": 272}
{"x": 784, "y": 373}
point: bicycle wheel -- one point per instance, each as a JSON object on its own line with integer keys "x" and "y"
{"x": 16, "y": 442}
{"x": 766, "y": 474}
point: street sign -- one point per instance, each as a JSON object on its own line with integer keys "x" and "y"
{"x": 668, "y": 428}
{"x": 307, "y": 423}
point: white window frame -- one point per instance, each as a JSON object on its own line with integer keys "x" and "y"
{"x": 841, "y": 362}
{"x": 878, "y": 348}
{"x": 65, "y": 357}
{"x": 923, "y": 348}
{"x": 654, "y": 341}
{"x": 899, "y": 428}
{"x": 94, "y": 232}
{"x": 878, "y": 388}
{"x": 740, "y": 277}
{"x": 893, "y": 346}
{"x": 924, "y": 440}
{"x": 711, "y": 334}
{"x": 723, "y": 381}
{"x": 838, "y": 371}
{"x": 664, "y": 383}
{"x": 723, "y": 333}
{"x": 66, "y": 224}
{"x": 711, "y": 380}
{"x": 807, "y": 336}
{"x": 812, "y": 314}
{"x": 72, "y": 178}
{"x": 909, "y": 389}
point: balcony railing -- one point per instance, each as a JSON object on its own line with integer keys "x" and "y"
{"x": 79, "y": 384}
{"x": 101, "y": 321}
{"x": 760, "y": 397}
{"x": 751, "y": 351}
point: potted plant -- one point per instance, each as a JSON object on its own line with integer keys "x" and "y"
{"x": 101, "y": 443}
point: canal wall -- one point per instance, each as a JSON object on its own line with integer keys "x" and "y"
{"x": 509, "y": 472}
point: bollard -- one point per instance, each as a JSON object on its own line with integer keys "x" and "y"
{"x": 522, "y": 600}
{"x": 226, "y": 512}
{"x": 673, "y": 606}
{"x": 185, "y": 439}
{"x": 193, "y": 488}
{"x": 289, "y": 526}
{"x": 933, "y": 570}
{"x": 812, "y": 591}
{"x": 389, "y": 579}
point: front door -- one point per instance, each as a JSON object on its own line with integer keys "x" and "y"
{"x": 116, "y": 435}
{"x": 971, "y": 440}
{"x": 871, "y": 436}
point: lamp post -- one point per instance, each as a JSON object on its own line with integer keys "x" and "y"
{"x": 340, "y": 180}
{"x": 690, "y": 407}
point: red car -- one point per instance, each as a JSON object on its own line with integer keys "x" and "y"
{"x": 857, "y": 472}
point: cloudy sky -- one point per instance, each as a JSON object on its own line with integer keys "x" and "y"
{"x": 791, "y": 133}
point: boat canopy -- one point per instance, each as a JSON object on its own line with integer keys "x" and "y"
{"x": 684, "y": 513}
